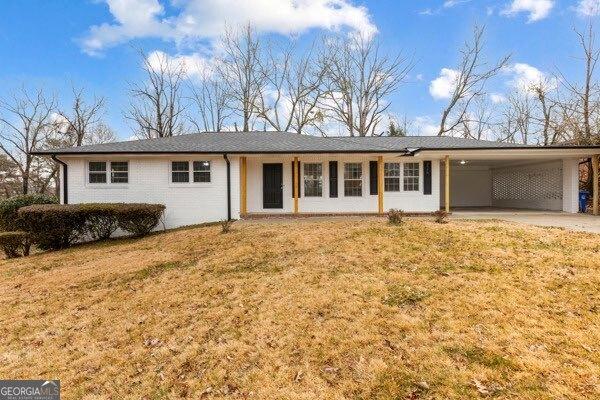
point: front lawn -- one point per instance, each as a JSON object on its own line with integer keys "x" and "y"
{"x": 311, "y": 309}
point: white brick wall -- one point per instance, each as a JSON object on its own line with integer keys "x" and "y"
{"x": 150, "y": 182}
{"x": 570, "y": 185}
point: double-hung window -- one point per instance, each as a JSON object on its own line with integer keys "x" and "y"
{"x": 352, "y": 179}
{"x": 119, "y": 172}
{"x": 100, "y": 172}
{"x": 391, "y": 174}
{"x": 313, "y": 180}
{"x": 181, "y": 172}
{"x": 97, "y": 171}
{"x": 411, "y": 177}
{"x": 201, "y": 171}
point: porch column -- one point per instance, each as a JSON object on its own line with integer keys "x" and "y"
{"x": 380, "y": 184}
{"x": 243, "y": 186}
{"x": 595, "y": 183}
{"x": 447, "y": 184}
{"x": 296, "y": 173}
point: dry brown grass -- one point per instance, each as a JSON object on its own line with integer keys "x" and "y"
{"x": 311, "y": 309}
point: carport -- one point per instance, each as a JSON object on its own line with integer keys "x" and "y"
{"x": 505, "y": 184}
{"x": 512, "y": 178}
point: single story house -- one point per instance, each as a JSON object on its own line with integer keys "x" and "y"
{"x": 214, "y": 176}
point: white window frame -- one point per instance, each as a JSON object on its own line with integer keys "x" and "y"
{"x": 110, "y": 173}
{"x": 420, "y": 174}
{"x": 318, "y": 180}
{"x": 395, "y": 177}
{"x": 190, "y": 182}
{"x": 361, "y": 179}
{"x": 107, "y": 174}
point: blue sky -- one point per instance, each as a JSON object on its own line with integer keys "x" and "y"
{"x": 91, "y": 43}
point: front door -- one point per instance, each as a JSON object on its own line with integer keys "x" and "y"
{"x": 272, "y": 185}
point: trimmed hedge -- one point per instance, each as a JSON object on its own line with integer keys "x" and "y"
{"x": 139, "y": 219}
{"x": 9, "y": 220}
{"x": 59, "y": 226}
{"x": 14, "y": 244}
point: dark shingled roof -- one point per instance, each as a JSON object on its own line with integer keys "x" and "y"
{"x": 280, "y": 142}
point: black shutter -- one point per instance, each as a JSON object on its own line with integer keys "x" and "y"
{"x": 426, "y": 177}
{"x": 299, "y": 183}
{"x": 333, "y": 179}
{"x": 373, "y": 176}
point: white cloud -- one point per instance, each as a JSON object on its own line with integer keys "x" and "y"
{"x": 195, "y": 65}
{"x": 588, "y": 8}
{"x": 526, "y": 76}
{"x": 537, "y": 9}
{"x": 206, "y": 19}
{"x": 452, "y": 3}
{"x": 427, "y": 11}
{"x": 497, "y": 98}
{"x": 443, "y": 86}
{"x": 425, "y": 126}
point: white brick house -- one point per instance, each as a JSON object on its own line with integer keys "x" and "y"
{"x": 213, "y": 176}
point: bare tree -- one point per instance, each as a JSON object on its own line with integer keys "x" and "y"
{"x": 81, "y": 119}
{"x": 359, "y": 80}
{"x": 544, "y": 115}
{"x": 583, "y": 103}
{"x": 295, "y": 86}
{"x": 100, "y": 133}
{"x": 471, "y": 78}
{"x": 519, "y": 117}
{"x": 479, "y": 121}
{"x": 211, "y": 101}
{"x": 156, "y": 108}
{"x": 241, "y": 70}
{"x": 10, "y": 183}
{"x": 26, "y": 121}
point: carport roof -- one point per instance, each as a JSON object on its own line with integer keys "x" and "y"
{"x": 281, "y": 143}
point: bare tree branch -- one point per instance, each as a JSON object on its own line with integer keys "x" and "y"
{"x": 472, "y": 76}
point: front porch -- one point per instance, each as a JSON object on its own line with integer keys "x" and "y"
{"x": 337, "y": 184}
{"x": 307, "y": 185}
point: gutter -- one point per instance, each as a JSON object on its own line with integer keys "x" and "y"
{"x": 228, "y": 186}
{"x": 275, "y": 152}
{"x": 64, "y": 178}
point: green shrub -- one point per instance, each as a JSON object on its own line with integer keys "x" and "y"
{"x": 101, "y": 219}
{"x": 14, "y": 244}
{"x": 54, "y": 226}
{"x": 139, "y": 219}
{"x": 9, "y": 219}
{"x": 58, "y": 226}
{"x": 395, "y": 217}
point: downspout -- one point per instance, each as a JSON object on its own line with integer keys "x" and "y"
{"x": 64, "y": 179}
{"x": 228, "y": 186}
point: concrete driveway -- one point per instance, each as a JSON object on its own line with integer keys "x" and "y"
{"x": 575, "y": 222}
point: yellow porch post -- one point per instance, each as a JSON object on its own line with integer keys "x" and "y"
{"x": 380, "y": 184}
{"x": 595, "y": 183}
{"x": 243, "y": 186}
{"x": 296, "y": 173}
{"x": 447, "y": 184}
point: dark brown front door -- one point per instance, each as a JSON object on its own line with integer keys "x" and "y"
{"x": 272, "y": 185}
